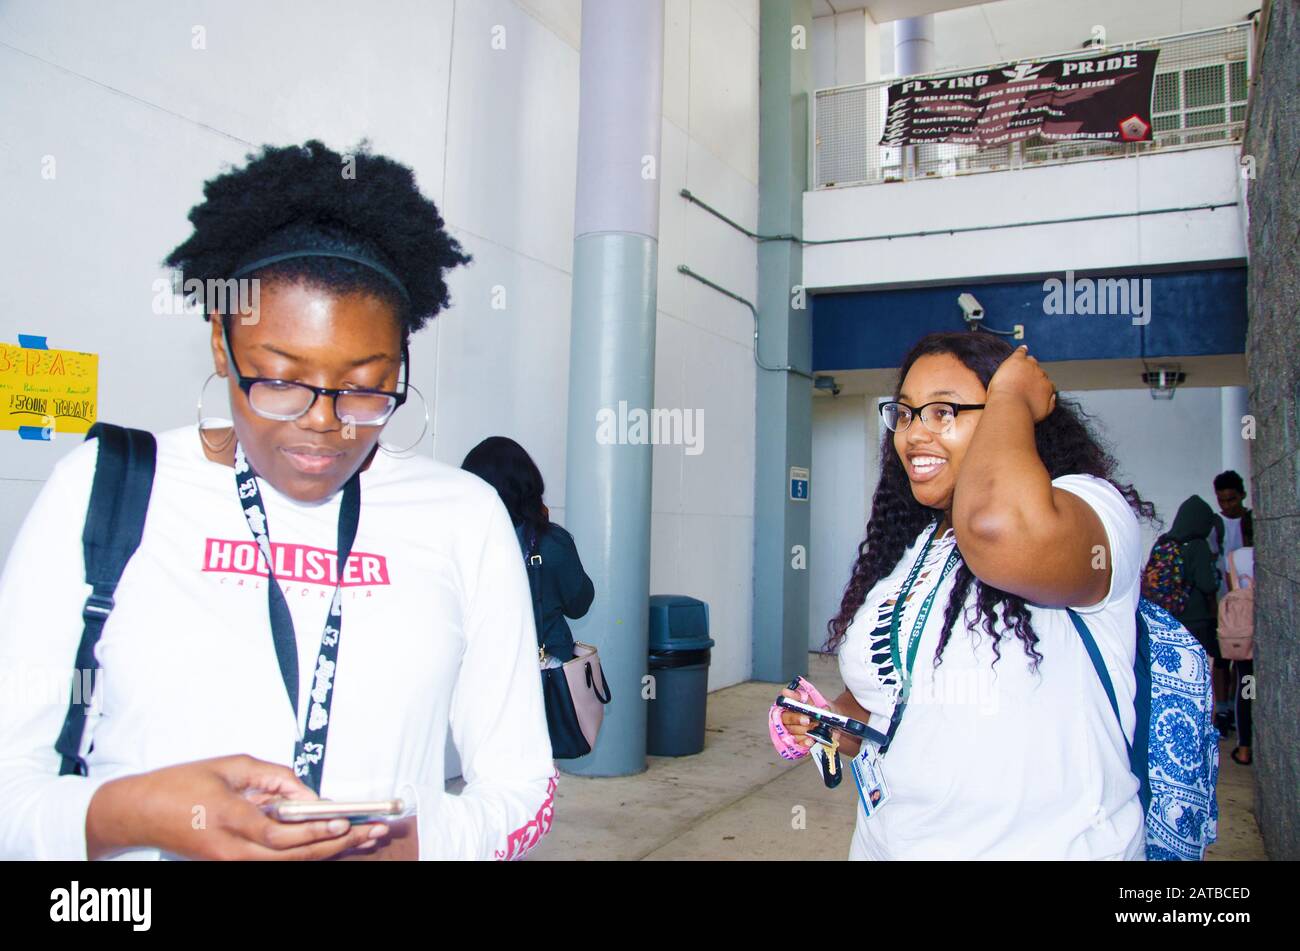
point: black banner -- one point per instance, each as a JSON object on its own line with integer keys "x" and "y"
{"x": 1103, "y": 98}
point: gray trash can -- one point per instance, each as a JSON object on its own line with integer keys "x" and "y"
{"x": 680, "y": 649}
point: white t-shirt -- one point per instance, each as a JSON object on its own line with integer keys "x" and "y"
{"x": 437, "y": 636}
{"x": 1001, "y": 762}
{"x": 1232, "y": 538}
{"x": 1243, "y": 560}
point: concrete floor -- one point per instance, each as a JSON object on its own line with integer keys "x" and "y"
{"x": 739, "y": 800}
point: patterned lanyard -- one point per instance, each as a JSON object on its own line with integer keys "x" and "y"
{"x": 918, "y": 628}
{"x": 309, "y": 750}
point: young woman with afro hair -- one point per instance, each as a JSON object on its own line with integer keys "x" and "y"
{"x": 307, "y": 615}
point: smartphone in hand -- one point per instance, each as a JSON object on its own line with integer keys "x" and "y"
{"x": 836, "y": 721}
{"x": 307, "y": 810}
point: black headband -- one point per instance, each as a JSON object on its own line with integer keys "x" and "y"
{"x": 322, "y": 253}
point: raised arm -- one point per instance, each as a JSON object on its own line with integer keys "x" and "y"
{"x": 1015, "y": 530}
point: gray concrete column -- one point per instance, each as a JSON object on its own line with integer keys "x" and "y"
{"x": 1234, "y": 448}
{"x": 611, "y": 353}
{"x": 914, "y": 45}
{"x": 914, "y": 55}
{"x": 783, "y": 399}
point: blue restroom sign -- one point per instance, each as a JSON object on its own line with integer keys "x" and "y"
{"x": 798, "y": 484}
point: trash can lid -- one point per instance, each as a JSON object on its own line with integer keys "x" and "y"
{"x": 678, "y": 622}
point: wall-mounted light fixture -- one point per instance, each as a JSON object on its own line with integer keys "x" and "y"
{"x": 1164, "y": 379}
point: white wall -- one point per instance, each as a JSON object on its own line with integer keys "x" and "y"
{"x": 1167, "y": 449}
{"x": 137, "y": 119}
{"x": 845, "y": 460}
{"x": 702, "y": 525}
{"x": 1020, "y": 29}
{"x": 1112, "y": 186}
{"x": 846, "y": 48}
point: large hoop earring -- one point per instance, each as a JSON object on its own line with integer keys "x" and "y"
{"x": 424, "y": 429}
{"x": 213, "y": 419}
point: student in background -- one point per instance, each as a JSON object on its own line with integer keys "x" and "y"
{"x": 1241, "y": 567}
{"x": 1237, "y": 522}
{"x": 1192, "y": 529}
{"x": 565, "y": 589}
{"x": 1230, "y": 491}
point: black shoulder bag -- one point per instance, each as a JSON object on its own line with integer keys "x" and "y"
{"x": 575, "y": 692}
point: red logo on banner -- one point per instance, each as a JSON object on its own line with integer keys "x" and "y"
{"x": 301, "y": 563}
{"x": 1133, "y": 129}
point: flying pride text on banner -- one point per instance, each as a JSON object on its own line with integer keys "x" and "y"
{"x": 1102, "y": 98}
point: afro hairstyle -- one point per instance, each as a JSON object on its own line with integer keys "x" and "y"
{"x": 297, "y": 197}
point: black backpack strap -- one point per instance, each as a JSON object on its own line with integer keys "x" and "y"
{"x": 534, "y": 564}
{"x": 119, "y": 500}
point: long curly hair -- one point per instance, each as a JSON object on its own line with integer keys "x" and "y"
{"x": 1065, "y": 445}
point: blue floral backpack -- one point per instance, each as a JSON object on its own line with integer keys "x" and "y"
{"x": 1175, "y": 749}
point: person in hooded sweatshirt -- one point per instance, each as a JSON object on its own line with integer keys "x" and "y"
{"x": 564, "y": 589}
{"x": 1192, "y": 527}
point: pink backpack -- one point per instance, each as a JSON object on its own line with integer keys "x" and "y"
{"x": 1237, "y": 618}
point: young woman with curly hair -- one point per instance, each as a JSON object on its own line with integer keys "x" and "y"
{"x": 254, "y": 652}
{"x": 997, "y": 508}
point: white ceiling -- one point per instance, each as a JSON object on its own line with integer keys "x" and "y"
{"x": 1016, "y": 29}
{"x": 884, "y": 10}
{"x": 970, "y": 34}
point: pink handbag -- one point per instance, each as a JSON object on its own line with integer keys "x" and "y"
{"x": 587, "y": 689}
{"x": 575, "y": 692}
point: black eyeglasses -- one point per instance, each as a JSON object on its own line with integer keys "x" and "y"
{"x": 936, "y": 417}
{"x": 285, "y": 400}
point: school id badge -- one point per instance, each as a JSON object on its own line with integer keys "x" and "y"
{"x": 869, "y": 774}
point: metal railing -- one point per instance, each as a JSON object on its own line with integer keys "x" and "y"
{"x": 1198, "y": 98}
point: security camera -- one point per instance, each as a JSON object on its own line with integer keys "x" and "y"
{"x": 970, "y": 308}
{"x": 827, "y": 383}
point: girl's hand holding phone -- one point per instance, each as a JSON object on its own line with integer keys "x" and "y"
{"x": 789, "y": 729}
{"x": 799, "y": 724}
{"x": 212, "y": 809}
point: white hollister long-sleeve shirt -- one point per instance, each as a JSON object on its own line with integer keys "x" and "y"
{"x": 438, "y": 636}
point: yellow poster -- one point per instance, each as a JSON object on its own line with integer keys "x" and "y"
{"x": 47, "y": 392}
